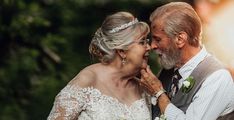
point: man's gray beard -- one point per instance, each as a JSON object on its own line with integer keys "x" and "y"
{"x": 170, "y": 58}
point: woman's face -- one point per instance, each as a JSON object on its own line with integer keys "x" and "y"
{"x": 138, "y": 52}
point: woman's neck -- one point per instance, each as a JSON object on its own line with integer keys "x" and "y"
{"x": 121, "y": 76}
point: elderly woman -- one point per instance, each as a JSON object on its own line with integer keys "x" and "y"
{"x": 108, "y": 90}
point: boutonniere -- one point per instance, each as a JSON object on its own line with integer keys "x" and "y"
{"x": 188, "y": 84}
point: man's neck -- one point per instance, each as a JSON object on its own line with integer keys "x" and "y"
{"x": 187, "y": 53}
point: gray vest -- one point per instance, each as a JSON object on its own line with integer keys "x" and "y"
{"x": 200, "y": 73}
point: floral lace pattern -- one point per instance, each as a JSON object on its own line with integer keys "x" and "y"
{"x": 89, "y": 103}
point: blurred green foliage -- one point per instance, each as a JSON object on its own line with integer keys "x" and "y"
{"x": 44, "y": 44}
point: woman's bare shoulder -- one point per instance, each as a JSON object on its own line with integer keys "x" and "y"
{"x": 86, "y": 77}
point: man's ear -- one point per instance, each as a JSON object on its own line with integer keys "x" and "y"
{"x": 181, "y": 39}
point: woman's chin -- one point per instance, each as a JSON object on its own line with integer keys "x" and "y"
{"x": 144, "y": 65}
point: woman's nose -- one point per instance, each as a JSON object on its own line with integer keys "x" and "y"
{"x": 148, "y": 47}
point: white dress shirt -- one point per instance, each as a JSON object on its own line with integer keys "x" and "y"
{"x": 214, "y": 98}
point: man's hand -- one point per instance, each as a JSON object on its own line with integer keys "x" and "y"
{"x": 150, "y": 81}
{"x": 153, "y": 85}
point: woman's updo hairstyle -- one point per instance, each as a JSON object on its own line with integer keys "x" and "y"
{"x": 117, "y": 32}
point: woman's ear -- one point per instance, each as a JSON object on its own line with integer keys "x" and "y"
{"x": 122, "y": 53}
{"x": 181, "y": 39}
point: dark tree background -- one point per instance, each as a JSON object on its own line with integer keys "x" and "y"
{"x": 44, "y": 44}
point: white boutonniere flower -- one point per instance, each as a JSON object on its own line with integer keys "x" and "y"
{"x": 188, "y": 84}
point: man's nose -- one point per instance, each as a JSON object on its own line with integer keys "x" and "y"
{"x": 153, "y": 45}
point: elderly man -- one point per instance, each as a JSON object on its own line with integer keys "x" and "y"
{"x": 193, "y": 85}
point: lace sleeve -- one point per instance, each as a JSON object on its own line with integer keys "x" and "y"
{"x": 69, "y": 103}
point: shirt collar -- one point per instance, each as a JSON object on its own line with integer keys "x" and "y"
{"x": 189, "y": 66}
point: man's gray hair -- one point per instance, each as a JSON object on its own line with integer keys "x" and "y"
{"x": 176, "y": 17}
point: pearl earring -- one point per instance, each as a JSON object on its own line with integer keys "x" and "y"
{"x": 123, "y": 61}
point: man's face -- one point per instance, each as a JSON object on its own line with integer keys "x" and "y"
{"x": 165, "y": 47}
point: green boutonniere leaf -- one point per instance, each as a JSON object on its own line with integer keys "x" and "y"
{"x": 188, "y": 84}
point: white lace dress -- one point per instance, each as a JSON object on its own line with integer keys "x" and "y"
{"x": 91, "y": 104}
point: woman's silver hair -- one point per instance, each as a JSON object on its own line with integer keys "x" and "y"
{"x": 117, "y": 32}
{"x": 176, "y": 17}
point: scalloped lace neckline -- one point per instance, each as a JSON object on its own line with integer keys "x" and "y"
{"x": 113, "y": 98}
